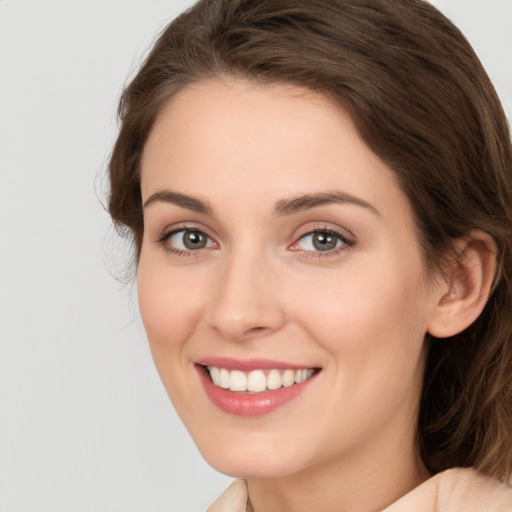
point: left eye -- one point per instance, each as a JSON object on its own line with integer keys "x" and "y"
{"x": 189, "y": 240}
{"x": 321, "y": 241}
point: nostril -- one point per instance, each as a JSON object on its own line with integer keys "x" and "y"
{"x": 255, "y": 330}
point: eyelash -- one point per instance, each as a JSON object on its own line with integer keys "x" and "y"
{"x": 347, "y": 243}
{"x": 164, "y": 238}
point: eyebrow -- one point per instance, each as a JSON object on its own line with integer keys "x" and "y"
{"x": 307, "y": 201}
{"x": 188, "y": 202}
{"x": 283, "y": 206}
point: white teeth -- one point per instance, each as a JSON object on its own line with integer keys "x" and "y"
{"x": 274, "y": 379}
{"x": 238, "y": 381}
{"x": 214, "y": 374}
{"x": 224, "y": 379}
{"x": 288, "y": 378}
{"x": 257, "y": 381}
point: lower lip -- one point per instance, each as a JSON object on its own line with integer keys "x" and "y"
{"x": 246, "y": 404}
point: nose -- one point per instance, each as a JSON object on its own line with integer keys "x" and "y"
{"x": 245, "y": 302}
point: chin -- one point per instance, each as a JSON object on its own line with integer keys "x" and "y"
{"x": 237, "y": 467}
{"x": 248, "y": 456}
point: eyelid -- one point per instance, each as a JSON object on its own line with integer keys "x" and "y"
{"x": 347, "y": 238}
{"x": 170, "y": 231}
{"x": 208, "y": 242}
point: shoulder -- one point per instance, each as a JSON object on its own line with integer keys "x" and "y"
{"x": 233, "y": 499}
{"x": 455, "y": 490}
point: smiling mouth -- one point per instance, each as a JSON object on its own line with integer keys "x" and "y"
{"x": 258, "y": 381}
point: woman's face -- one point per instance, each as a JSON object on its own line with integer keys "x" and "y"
{"x": 278, "y": 245}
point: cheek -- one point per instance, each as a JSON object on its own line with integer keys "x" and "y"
{"x": 372, "y": 323}
{"x": 169, "y": 302}
{"x": 355, "y": 304}
{"x": 372, "y": 327}
{"x": 170, "y": 307}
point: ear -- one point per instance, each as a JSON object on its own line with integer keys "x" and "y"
{"x": 464, "y": 294}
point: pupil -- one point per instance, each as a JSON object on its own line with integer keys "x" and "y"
{"x": 194, "y": 240}
{"x": 324, "y": 242}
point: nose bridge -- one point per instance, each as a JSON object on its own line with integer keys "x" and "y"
{"x": 245, "y": 302}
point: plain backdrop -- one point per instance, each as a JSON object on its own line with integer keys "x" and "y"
{"x": 85, "y": 425}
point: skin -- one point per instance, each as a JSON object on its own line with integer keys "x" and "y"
{"x": 259, "y": 289}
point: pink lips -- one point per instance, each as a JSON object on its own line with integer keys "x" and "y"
{"x": 243, "y": 403}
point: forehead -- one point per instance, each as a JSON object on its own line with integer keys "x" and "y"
{"x": 233, "y": 139}
{"x": 227, "y": 114}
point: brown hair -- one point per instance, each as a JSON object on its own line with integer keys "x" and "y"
{"x": 423, "y": 103}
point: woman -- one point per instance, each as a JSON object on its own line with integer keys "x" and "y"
{"x": 319, "y": 194}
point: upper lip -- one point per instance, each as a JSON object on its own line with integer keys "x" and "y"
{"x": 248, "y": 365}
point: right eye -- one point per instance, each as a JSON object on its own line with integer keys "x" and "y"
{"x": 187, "y": 240}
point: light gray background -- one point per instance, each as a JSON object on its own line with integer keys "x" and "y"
{"x": 85, "y": 425}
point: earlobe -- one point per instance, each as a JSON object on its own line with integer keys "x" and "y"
{"x": 467, "y": 289}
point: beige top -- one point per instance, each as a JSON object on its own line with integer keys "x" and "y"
{"x": 454, "y": 490}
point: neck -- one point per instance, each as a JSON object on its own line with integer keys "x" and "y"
{"x": 366, "y": 483}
